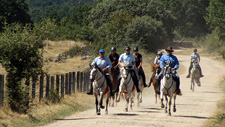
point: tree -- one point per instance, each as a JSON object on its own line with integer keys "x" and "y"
{"x": 14, "y": 11}
{"x": 22, "y": 57}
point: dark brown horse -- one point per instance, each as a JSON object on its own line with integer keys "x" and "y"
{"x": 114, "y": 84}
{"x": 156, "y": 70}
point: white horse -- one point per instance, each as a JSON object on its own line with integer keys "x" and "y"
{"x": 141, "y": 87}
{"x": 126, "y": 85}
{"x": 168, "y": 88}
{"x": 195, "y": 75}
{"x": 99, "y": 88}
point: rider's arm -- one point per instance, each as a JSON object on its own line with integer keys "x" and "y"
{"x": 198, "y": 57}
{"x": 108, "y": 62}
{"x": 94, "y": 61}
{"x": 161, "y": 62}
{"x": 176, "y": 63}
{"x": 140, "y": 62}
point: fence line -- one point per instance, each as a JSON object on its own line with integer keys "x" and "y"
{"x": 67, "y": 84}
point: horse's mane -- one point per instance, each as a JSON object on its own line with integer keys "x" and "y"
{"x": 99, "y": 69}
{"x": 154, "y": 67}
{"x": 123, "y": 64}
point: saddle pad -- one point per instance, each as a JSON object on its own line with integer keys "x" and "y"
{"x": 131, "y": 90}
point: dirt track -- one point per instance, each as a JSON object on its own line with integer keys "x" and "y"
{"x": 193, "y": 108}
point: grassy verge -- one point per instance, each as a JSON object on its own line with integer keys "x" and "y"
{"x": 43, "y": 113}
{"x": 219, "y": 116}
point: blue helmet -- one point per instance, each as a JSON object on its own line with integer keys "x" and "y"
{"x": 101, "y": 51}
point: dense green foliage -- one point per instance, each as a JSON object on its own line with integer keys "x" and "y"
{"x": 46, "y": 8}
{"x": 21, "y": 56}
{"x": 13, "y": 11}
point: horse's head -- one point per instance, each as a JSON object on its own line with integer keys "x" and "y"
{"x": 93, "y": 72}
{"x": 124, "y": 70}
{"x": 167, "y": 69}
{"x": 195, "y": 64}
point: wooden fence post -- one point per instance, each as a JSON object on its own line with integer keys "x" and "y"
{"x": 78, "y": 80}
{"x": 41, "y": 87}
{"x": 74, "y": 80}
{"x": 70, "y": 81}
{"x": 57, "y": 84}
{"x": 62, "y": 86}
{"x": 33, "y": 88}
{"x": 52, "y": 83}
{"x": 47, "y": 87}
{"x": 81, "y": 81}
{"x": 67, "y": 84}
{"x": 1, "y": 90}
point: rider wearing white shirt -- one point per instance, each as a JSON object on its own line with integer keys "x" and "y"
{"x": 129, "y": 59}
{"x": 194, "y": 57}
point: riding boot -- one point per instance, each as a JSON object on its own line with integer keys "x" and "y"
{"x": 178, "y": 85}
{"x": 158, "y": 86}
{"x": 189, "y": 71}
{"x": 90, "y": 92}
{"x": 117, "y": 86}
{"x": 143, "y": 76}
{"x": 136, "y": 85}
{"x": 134, "y": 77}
{"x": 150, "y": 82}
{"x": 201, "y": 75}
{"x": 109, "y": 84}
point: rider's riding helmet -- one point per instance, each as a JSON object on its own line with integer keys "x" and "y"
{"x": 101, "y": 51}
{"x": 195, "y": 50}
{"x": 159, "y": 53}
{"x": 113, "y": 49}
{"x": 135, "y": 49}
{"x": 127, "y": 48}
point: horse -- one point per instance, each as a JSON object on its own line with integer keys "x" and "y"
{"x": 126, "y": 85}
{"x": 114, "y": 84}
{"x": 156, "y": 70}
{"x": 99, "y": 88}
{"x": 168, "y": 88}
{"x": 141, "y": 87}
{"x": 195, "y": 75}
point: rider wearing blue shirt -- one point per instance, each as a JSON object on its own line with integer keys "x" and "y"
{"x": 169, "y": 57}
{"x": 103, "y": 63}
{"x": 129, "y": 59}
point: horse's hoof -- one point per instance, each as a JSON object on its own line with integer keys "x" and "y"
{"x": 118, "y": 100}
{"x": 140, "y": 101}
{"x": 98, "y": 113}
{"x": 174, "y": 109}
{"x": 112, "y": 105}
{"x": 162, "y": 106}
{"x": 102, "y": 107}
{"x": 126, "y": 109}
{"x": 169, "y": 113}
{"x": 106, "y": 112}
{"x": 165, "y": 111}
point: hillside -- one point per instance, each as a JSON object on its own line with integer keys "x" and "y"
{"x": 45, "y": 8}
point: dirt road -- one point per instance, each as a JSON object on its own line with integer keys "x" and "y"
{"x": 193, "y": 108}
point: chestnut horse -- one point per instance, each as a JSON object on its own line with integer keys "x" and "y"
{"x": 114, "y": 74}
{"x": 156, "y": 70}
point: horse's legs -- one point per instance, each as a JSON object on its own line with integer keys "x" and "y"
{"x": 113, "y": 99}
{"x": 118, "y": 97}
{"x": 138, "y": 99}
{"x": 170, "y": 101}
{"x": 166, "y": 104}
{"x": 174, "y": 103}
{"x": 107, "y": 103}
{"x": 161, "y": 96}
{"x": 141, "y": 97}
{"x": 101, "y": 100}
{"x": 131, "y": 99}
{"x": 155, "y": 97}
{"x": 96, "y": 103}
{"x": 127, "y": 102}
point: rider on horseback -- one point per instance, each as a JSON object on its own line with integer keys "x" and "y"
{"x": 104, "y": 63}
{"x": 114, "y": 57}
{"x": 194, "y": 57}
{"x": 138, "y": 60}
{"x": 156, "y": 61}
{"x": 169, "y": 57}
{"x": 129, "y": 59}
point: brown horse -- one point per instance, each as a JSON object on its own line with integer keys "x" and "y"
{"x": 114, "y": 84}
{"x": 156, "y": 70}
